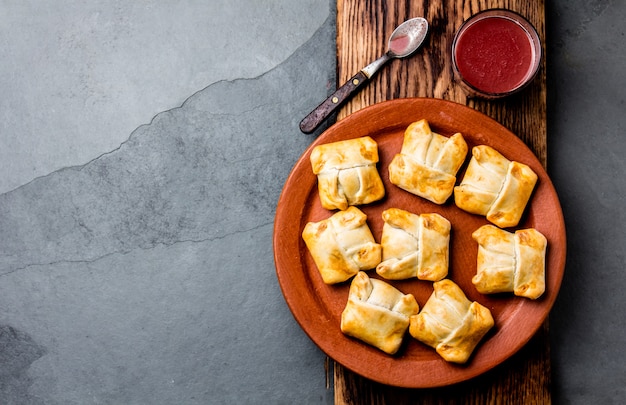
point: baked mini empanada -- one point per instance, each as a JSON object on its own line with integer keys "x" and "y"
{"x": 414, "y": 246}
{"x": 450, "y": 323}
{"x": 377, "y": 313}
{"x": 495, "y": 187}
{"x": 346, "y": 173}
{"x": 341, "y": 245}
{"x": 427, "y": 164}
{"x": 510, "y": 262}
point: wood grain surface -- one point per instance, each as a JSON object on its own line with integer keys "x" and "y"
{"x": 362, "y": 31}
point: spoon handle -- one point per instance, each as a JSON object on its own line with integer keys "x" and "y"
{"x": 332, "y": 103}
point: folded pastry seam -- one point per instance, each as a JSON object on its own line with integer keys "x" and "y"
{"x": 428, "y": 162}
{"x": 495, "y": 187}
{"x": 377, "y": 313}
{"x": 510, "y": 262}
{"x": 342, "y": 245}
{"x": 414, "y": 246}
{"x": 347, "y": 173}
{"x": 450, "y": 323}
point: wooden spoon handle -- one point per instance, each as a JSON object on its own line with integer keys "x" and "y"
{"x": 332, "y": 103}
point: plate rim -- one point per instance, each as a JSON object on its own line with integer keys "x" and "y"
{"x": 373, "y": 112}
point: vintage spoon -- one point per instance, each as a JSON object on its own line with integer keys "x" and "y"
{"x": 404, "y": 40}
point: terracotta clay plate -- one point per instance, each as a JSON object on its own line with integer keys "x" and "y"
{"x": 317, "y": 307}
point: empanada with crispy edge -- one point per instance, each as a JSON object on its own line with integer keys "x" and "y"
{"x": 341, "y": 245}
{"x": 450, "y": 323}
{"x": 414, "y": 246}
{"x": 377, "y": 313}
{"x": 428, "y": 162}
{"x": 346, "y": 173}
{"x": 510, "y": 262}
{"x": 495, "y": 187}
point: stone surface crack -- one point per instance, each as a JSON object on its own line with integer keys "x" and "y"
{"x": 142, "y": 248}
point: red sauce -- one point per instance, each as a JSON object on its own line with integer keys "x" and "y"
{"x": 494, "y": 55}
{"x": 399, "y": 44}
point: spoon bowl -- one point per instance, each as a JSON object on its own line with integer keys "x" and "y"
{"x": 403, "y": 41}
{"x": 407, "y": 37}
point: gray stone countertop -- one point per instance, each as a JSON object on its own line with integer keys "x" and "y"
{"x": 143, "y": 148}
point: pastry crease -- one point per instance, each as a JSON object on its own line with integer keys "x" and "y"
{"x": 510, "y": 262}
{"x": 346, "y": 173}
{"x": 450, "y": 323}
{"x": 342, "y": 245}
{"x": 428, "y": 162}
{"x": 414, "y": 246}
{"x": 377, "y": 313}
{"x": 495, "y": 187}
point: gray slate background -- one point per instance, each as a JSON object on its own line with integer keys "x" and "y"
{"x": 143, "y": 147}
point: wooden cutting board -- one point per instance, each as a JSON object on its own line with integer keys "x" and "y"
{"x": 362, "y": 31}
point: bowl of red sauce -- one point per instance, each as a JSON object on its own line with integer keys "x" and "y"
{"x": 496, "y": 53}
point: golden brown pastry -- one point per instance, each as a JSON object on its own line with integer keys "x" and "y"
{"x": 377, "y": 313}
{"x": 495, "y": 187}
{"x": 427, "y": 164}
{"x": 414, "y": 246}
{"x": 510, "y": 262}
{"x": 341, "y": 245}
{"x": 346, "y": 173}
{"x": 450, "y": 323}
